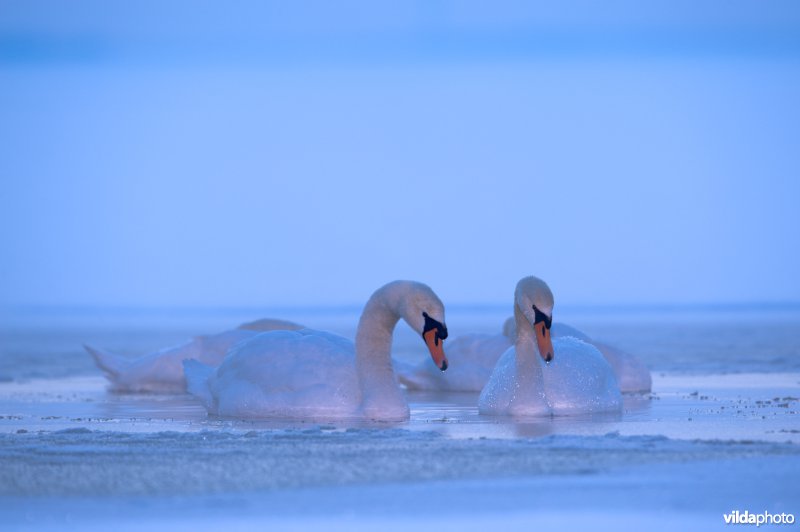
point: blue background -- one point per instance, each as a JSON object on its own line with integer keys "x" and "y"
{"x": 249, "y": 153}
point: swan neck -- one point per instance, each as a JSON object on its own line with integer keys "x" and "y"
{"x": 374, "y": 339}
{"x": 527, "y": 351}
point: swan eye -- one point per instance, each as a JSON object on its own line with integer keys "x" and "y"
{"x": 430, "y": 324}
{"x": 539, "y": 316}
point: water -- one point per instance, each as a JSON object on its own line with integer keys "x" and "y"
{"x": 719, "y": 432}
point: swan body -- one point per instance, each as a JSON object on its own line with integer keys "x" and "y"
{"x": 310, "y": 374}
{"x": 632, "y": 375}
{"x": 576, "y": 380}
{"x": 264, "y": 377}
{"x": 476, "y": 355}
{"x": 162, "y": 371}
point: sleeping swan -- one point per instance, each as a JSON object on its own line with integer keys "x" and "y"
{"x": 311, "y": 374}
{"x": 576, "y": 379}
{"x": 162, "y": 371}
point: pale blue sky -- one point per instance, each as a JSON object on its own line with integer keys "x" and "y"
{"x": 201, "y": 156}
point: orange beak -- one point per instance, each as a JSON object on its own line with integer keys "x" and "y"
{"x": 544, "y": 341}
{"x": 436, "y": 347}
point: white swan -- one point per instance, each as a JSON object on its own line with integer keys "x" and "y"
{"x": 162, "y": 371}
{"x": 312, "y": 374}
{"x": 476, "y": 355}
{"x": 578, "y": 380}
{"x": 632, "y": 374}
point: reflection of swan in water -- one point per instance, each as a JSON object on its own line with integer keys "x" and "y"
{"x": 312, "y": 374}
{"x": 162, "y": 371}
{"x": 475, "y": 355}
{"x": 577, "y": 380}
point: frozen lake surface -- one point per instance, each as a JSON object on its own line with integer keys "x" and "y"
{"x": 719, "y": 433}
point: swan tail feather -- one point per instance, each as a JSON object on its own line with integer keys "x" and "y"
{"x": 114, "y": 366}
{"x": 197, "y": 375}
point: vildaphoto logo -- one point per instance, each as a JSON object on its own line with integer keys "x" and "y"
{"x": 746, "y": 518}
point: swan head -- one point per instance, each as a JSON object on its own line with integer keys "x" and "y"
{"x": 435, "y": 333}
{"x": 535, "y": 301}
{"x": 424, "y": 312}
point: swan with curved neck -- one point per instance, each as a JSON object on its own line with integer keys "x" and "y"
{"x": 476, "y": 355}
{"x": 319, "y": 375}
{"x": 575, "y": 379}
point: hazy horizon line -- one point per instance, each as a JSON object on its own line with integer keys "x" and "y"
{"x": 353, "y": 307}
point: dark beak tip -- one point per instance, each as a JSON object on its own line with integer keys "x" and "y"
{"x": 444, "y": 365}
